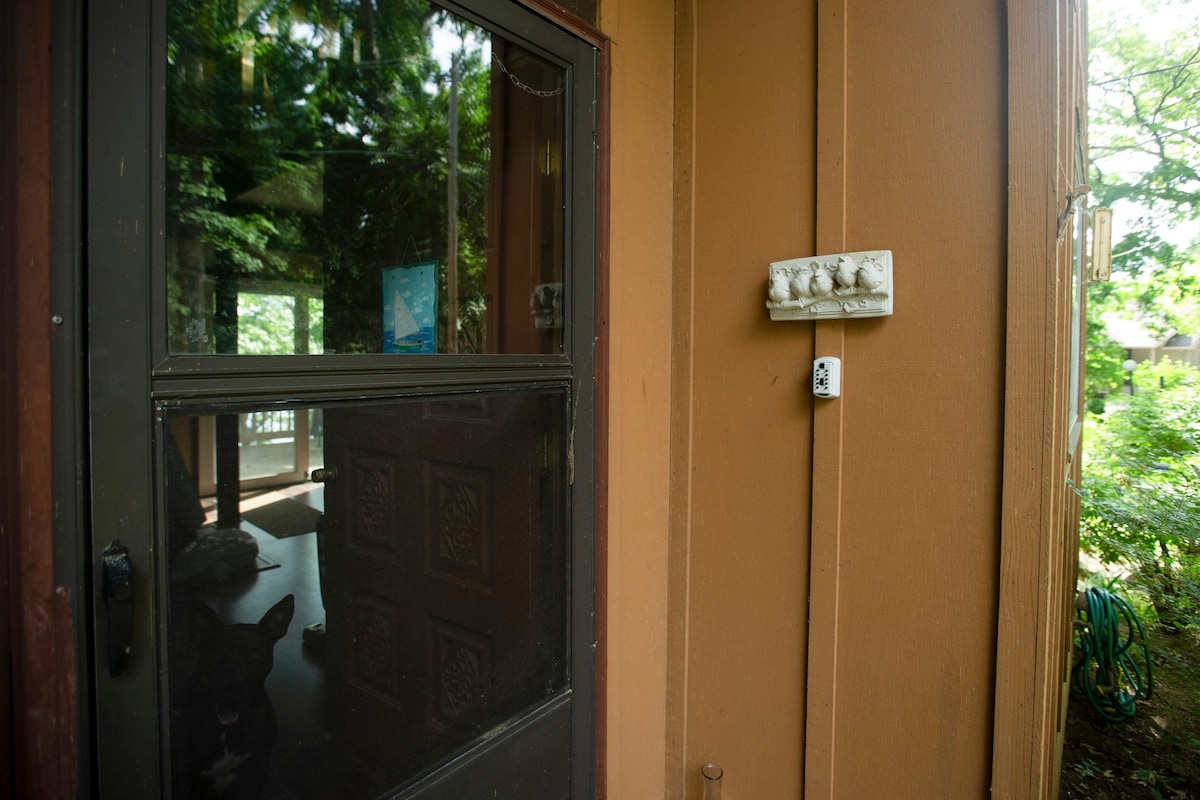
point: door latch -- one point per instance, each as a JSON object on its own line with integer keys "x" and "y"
{"x": 324, "y": 474}
{"x": 117, "y": 592}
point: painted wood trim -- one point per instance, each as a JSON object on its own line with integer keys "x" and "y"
{"x": 683, "y": 334}
{"x": 579, "y": 27}
{"x": 1024, "y": 685}
{"x": 9, "y": 518}
{"x": 1064, "y": 559}
{"x": 41, "y": 708}
{"x": 603, "y": 251}
{"x": 589, "y": 33}
{"x": 568, "y": 20}
{"x": 829, "y": 340}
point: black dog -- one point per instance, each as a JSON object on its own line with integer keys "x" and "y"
{"x": 223, "y": 723}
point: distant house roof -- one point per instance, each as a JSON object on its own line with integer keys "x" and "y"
{"x": 1181, "y": 340}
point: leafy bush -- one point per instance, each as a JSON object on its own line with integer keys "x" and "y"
{"x": 1141, "y": 488}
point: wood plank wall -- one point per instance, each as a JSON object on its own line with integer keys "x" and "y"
{"x": 825, "y": 127}
{"x": 1040, "y": 516}
{"x": 917, "y": 545}
{"x": 745, "y": 173}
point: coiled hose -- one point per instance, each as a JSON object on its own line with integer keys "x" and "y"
{"x": 1108, "y": 672}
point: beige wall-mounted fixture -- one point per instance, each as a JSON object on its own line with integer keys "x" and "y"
{"x": 841, "y": 286}
{"x": 1102, "y": 220}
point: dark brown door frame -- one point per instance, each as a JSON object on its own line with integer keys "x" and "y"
{"x": 43, "y": 747}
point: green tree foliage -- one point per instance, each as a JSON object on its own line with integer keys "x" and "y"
{"x": 1144, "y": 128}
{"x": 268, "y": 324}
{"x": 307, "y": 144}
{"x": 1141, "y": 488}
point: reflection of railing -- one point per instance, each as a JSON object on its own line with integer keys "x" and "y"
{"x": 268, "y": 426}
{"x": 275, "y": 447}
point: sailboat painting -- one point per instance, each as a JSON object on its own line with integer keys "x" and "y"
{"x": 410, "y": 308}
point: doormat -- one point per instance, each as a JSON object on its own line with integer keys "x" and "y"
{"x": 263, "y": 563}
{"x": 284, "y": 518}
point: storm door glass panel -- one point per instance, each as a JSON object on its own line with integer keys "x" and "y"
{"x": 343, "y": 178}
{"x": 342, "y": 638}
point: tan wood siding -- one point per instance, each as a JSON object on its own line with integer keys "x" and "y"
{"x": 752, "y": 172}
{"x": 925, "y": 173}
{"x": 1040, "y": 515}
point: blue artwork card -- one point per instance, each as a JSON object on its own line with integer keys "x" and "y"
{"x": 410, "y": 308}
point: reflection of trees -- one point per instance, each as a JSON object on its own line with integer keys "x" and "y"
{"x": 307, "y": 144}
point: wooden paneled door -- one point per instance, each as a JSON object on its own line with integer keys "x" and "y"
{"x": 442, "y": 556}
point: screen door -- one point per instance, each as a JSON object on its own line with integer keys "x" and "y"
{"x": 341, "y": 310}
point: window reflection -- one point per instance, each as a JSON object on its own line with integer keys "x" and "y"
{"x": 340, "y": 636}
{"x": 345, "y": 180}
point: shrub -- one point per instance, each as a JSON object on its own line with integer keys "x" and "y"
{"x": 1141, "y": 488}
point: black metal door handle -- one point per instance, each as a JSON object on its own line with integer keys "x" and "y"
{"x": 117, "y": 592}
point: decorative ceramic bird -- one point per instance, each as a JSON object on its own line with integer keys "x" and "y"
{"x": 801, "y": 283}
{"x": 822, "y": 281}
{"x": 870, "y": 275}
{"x": 847, "y": 272}
{"x": 779, "y": 291}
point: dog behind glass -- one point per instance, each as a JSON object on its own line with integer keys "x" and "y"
{"x": 222, "y": 721}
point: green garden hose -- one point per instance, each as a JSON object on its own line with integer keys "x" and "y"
{"x": 1108, "y": 672}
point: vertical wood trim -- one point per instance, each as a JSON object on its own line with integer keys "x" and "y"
{"x": 589, "y": 33}
{"x": 44, "y": 715}
{"x": 1025, "y": 687}
{"x": 9, "y": 518}
{"x": 1064, "y": 539}
{"x": 829, "y": 340}
{"x": 603, "y": 249}
{"x": 569, "y": 20}
{"x": 832, "y": 31}
{"x": 682, "y": 399}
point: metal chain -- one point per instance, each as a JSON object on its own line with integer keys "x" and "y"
{"x": 525, "y": 87}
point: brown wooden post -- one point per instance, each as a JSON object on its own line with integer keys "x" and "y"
{"x": 35, "y": 620}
